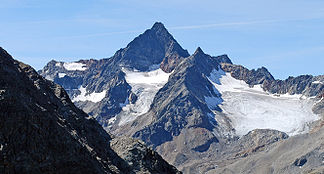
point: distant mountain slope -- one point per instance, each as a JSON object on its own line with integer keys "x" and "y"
{"x": 41, "y": 131}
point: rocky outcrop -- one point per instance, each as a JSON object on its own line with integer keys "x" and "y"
{"x": 256, "y": 140}
{"x": 251, "y": 77}
{"x": 41, "y": 131}
{"x": 141, "y": 158}
{"x": 223, "y": 59}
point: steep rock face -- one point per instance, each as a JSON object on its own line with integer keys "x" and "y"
{"x": 150, "y": 48}
{"x": 41, "y": 131}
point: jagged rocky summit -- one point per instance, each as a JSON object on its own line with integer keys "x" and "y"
{"x": 41, "y": 131}
{"x": 195, "y": 110}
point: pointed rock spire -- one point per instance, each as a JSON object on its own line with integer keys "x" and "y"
{"x": 150, "y": 48}
{"x": 198, "y": 51}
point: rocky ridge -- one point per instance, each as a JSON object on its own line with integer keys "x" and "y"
{"x": 41, "y": 131}
{"x": 305, "y": 84}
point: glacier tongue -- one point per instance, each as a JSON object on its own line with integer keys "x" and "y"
{"x": 144, "y": 85}
{"x": 252, "y": 108}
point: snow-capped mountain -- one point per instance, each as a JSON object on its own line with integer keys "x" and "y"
{"x": 191, "y": 109}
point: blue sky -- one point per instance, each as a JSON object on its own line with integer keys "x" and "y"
{"x": 284, "y": 36}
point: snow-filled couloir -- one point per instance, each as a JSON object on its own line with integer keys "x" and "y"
{"x": 144, "y": 85}
{"x": 253, "y": 108}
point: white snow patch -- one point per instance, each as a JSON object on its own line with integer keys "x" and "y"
{"x": 154, "y": 77}
{"x": 317, "y": 82}
{"x": 252, "y": 108}
{"x": 73, "y": 66}
{"x": 61, "y": 75}
{"x": 49, "y": 77}
{"x": 93, "y": 97}
{"x": 144, "y": 85}
{"x": 58, "y": 64}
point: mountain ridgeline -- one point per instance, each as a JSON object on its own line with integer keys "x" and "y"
{"x": 195, "y": 110}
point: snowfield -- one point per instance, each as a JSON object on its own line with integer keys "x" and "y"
{"x": 93, "y": 97}
{"x": 252, "y": 108}
{"x": 61, "y": 75}
{"x": 317, "y": 82}
{"x": 73, "y": 66}
{"x": 144, "y": 85}
{"x": 58, "y": 64}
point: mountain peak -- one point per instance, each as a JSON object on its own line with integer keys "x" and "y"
{"x": 4, "y": 54}
{"x": 158, "y": 26}
{"x": 199, "y": 51}
{"x": 150, "y": 48}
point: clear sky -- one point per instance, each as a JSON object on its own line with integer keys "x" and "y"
{"x": 286, "y": 36}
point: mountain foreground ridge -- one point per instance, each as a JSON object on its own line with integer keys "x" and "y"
{"x": 41, "y": 131}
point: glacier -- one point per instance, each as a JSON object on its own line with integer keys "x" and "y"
{"x": 252, "y": 108}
